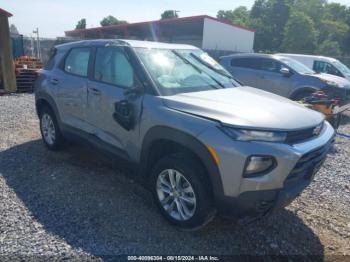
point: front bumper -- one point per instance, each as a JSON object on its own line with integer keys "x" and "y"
{"x": 261, "y": 203}
{"x": 297, "y": 165}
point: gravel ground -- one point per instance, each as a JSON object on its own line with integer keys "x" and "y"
{"x": 76, "y": 204}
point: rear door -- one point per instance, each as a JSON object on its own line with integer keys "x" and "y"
{"x": 271, "y": 79}
{"x": 245, "y": 70}
{"x": 71, "y": 87}
{"x": 112, "y": 112}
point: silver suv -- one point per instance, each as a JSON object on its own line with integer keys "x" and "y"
{"x": 201, "y": 142}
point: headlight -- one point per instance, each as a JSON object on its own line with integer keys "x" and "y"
{"x": 253, "y": 135}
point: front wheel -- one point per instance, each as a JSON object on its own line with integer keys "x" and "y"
{"x": 181, "y": 192}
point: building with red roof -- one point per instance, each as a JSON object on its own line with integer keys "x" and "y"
{"x": 203, "y": 31}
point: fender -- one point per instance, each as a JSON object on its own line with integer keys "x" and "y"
{"x": 302, "y": 89}
{"x": 187, "y": 141}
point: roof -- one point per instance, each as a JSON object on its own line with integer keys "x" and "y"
{"x": 162, "y": 21}
{"x": 122, "y": 42}
{"x": 4, "y": 12}
{"x": 243, "y": 55}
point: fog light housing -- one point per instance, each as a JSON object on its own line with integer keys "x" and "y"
{"x": 258, "y": 165}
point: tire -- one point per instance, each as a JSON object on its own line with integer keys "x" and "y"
{"x": 188, "y": 175}
{"x": 50, "y": 132}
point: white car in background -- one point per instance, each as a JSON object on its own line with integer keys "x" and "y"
{"x": 322, "y": 64}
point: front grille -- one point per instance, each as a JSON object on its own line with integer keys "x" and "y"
{"x": 308, "y": 165}
{"x": 300, "y": 135}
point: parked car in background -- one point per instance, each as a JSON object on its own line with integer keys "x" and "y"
{"x": 322, "y": 64}
{"x": 284, "y": 76}
{"x": 201, "y": 142}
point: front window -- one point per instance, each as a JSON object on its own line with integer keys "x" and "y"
{"x": 341, "y": 67}
{"x": 180, "y": 71}
{"x": 113, "y": 67}
{"x": 297, "y": 66}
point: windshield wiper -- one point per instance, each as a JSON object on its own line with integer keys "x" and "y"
{"x": 197, "y": 68}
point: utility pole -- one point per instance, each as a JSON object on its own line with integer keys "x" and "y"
{"x": 37, "y": 43}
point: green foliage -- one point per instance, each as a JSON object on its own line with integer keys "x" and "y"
{"x": 167, "y": 14}
{"x": 111, "y": 20}
{"x": 300, "y": 35}
{"x": 81, "y": 24}
{"x": 329, "y": 48}
{"x": 295, "y": 25}
{"x": 239, "y": 16}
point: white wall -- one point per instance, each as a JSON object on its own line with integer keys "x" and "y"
{"x": 221, "y": 36}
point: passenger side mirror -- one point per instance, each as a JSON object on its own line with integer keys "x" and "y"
{"x": 285, "y": 71}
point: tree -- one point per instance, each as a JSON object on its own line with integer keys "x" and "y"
{"x": 239, "y": 16}
{"x": 300, "y": 35}
{"x": 313, "y": 8}
{"x": 269, "y": 18}
{"x": 81, "y": 24}
{"x": 111, "y": 20}
{"x": 329, "y": 48}
{"x": 169, "y": 14}
{"x": 334, "y": 31}
{"x": 13, "y": 30}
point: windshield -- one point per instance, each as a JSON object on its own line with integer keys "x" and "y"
{"x": 180, "y": 71}
{"x": 341, "y": 67}
{"x": 297, "y": 66}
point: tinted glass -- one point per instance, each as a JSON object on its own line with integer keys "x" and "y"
{"x": 113, "y": 67}
{"x": 325, "y": 67}
{"x": 252, "y": 63}
{"x": 270, "y": 65}
{"x": 51, "y": 62}
{"x": 77, "y": 61}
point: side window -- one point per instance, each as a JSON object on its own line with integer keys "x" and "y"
{"x": 270, "y": 65}
{"x": 77, "y": 61}
{"x": 250, "y": 63}
{"x": 325, "y": 67}
{"x": 319, "y": 67}
{"x": 113, "y": 67}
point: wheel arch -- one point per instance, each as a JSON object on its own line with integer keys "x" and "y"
{"x": 161, "y": 139}
{"x": 303, "y": 89}
{"x": 45, "y": 100}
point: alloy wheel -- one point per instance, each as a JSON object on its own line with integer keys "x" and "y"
{"x": 176, "y": 194}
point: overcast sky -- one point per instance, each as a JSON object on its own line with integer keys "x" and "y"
{"x": 55, "y": 17}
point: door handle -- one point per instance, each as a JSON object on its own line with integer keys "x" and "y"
{"x": 95, "y": 91}
{"x": 54, "y": 81}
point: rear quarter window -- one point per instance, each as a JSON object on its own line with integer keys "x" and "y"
{"x": 51, "y": 62}
{"x": 77, "y": 61}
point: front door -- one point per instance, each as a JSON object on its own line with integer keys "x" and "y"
{"x": 113, "y": 112}
{"x": 271, "y": 79}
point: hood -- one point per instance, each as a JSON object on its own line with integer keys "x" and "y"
{"x": 246, "y": 107}
{"x": 342, "y": 82}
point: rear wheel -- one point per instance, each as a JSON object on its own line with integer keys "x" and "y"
{"x": 181, "y": 191}
{"x": 50, "y": 132}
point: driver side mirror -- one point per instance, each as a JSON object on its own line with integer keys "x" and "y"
{"x": 285, "y": 71}
{"x": 135, "y": 90}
